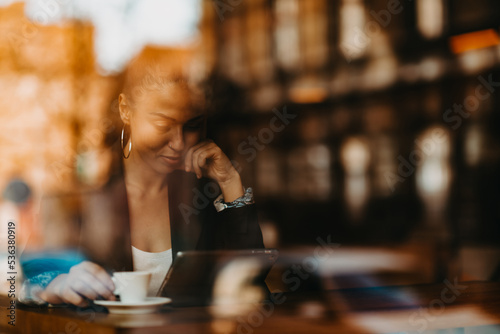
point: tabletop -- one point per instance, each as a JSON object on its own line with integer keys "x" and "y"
{"x": 458, "y": 307}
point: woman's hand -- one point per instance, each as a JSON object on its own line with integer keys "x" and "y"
{"x": 207, "y": 159}
{"x": 84, "y": 280}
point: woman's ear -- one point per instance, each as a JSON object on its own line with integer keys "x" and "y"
{"x": 124, "y": 109}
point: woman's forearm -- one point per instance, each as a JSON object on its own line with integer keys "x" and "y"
{"x": 232, "y": 188}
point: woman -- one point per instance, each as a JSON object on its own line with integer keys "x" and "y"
{"x": 170, "y": 171}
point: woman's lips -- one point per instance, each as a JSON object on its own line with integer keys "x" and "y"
{"x": 172, "y": 160}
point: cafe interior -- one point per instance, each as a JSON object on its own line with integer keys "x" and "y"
{"x": 368, "y": 130}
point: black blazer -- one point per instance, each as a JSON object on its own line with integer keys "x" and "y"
{"x": 194, "y": 222}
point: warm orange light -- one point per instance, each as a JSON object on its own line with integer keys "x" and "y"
{"x": 308, "y": 94}
{"x": 474, "y": 40}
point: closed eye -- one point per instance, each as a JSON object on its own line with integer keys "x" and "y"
{"x": 193, "y": 126}
{"x": 163, "y": 126}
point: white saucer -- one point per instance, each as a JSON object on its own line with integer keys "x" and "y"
{"x": 148, "y": 306}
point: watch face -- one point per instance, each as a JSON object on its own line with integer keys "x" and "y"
{"x": 219, "y": 206}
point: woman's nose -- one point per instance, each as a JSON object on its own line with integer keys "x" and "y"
{"x": 177, "y": 141}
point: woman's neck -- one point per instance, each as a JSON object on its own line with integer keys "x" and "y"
{"x": 142, "y": 179}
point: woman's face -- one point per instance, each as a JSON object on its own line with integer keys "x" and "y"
{"x": 163, "y": 126}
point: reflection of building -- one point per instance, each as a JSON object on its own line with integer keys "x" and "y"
{"x": 57, "y": 111}
{"x": 46, "y": 102}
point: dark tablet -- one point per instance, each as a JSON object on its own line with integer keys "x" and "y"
{"x": 191, "y": 278}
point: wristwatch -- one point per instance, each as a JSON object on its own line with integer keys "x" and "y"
{"x": 246, "y": 199}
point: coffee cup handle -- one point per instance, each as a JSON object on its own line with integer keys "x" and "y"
{"x": 115, "y": 281}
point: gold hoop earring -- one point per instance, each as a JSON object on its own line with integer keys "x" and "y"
{"x": 129, "y": 146}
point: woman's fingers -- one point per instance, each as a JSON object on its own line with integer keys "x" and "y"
{"x": 69, "y": 296}
{"x": 188, "y": 159}
{"x": 105, "y": 282}
{"x": 83, "y": 288}
{"x": 194, "y": 155}
{"x": 206, "y": 158}
{"x": 90, "y": 287}
{"x": 88, "y": 280}
{"x": 84, "y": 281}
{"x": 198, "y": 160}
{"x": 209, "y": 153}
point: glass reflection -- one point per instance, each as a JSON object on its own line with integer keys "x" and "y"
{"x": 355, "y": 158}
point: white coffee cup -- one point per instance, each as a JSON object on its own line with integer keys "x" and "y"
{"x": 131, "y": 286}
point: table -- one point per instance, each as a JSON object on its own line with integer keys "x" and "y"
{"x": 465, "y": 307}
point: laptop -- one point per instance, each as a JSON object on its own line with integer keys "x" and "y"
{"x": 196, "y": 278}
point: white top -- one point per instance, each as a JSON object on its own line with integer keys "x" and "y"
{"x": 156, "y": 263}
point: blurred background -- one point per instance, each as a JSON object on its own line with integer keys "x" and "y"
{"x": 369, "y": 124}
